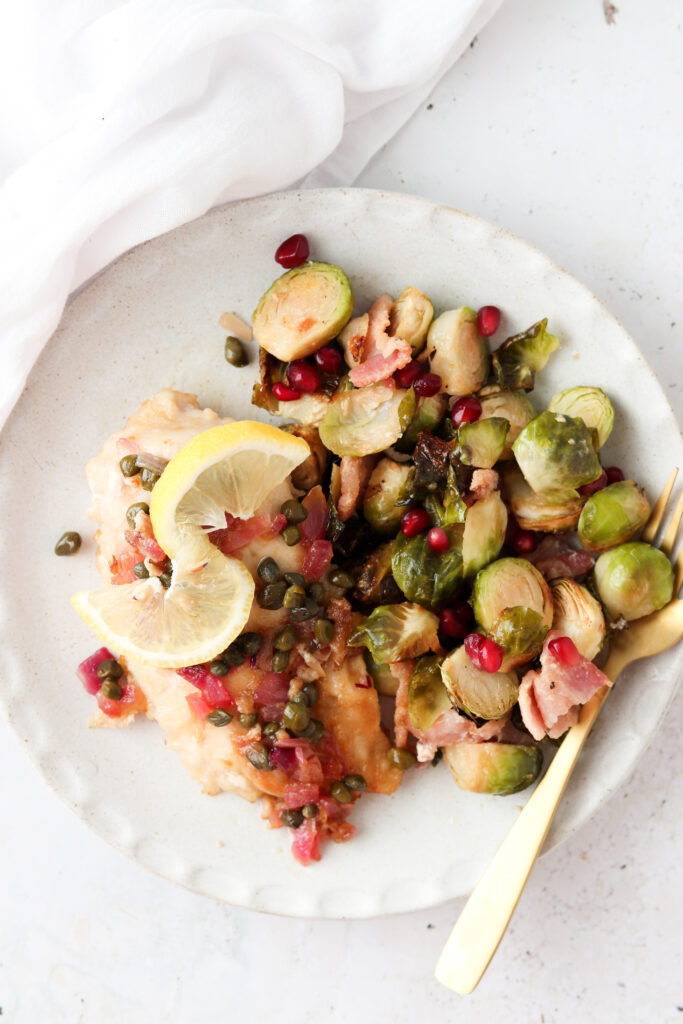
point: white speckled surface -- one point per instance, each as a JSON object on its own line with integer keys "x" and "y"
{"x": 552, "y": 111}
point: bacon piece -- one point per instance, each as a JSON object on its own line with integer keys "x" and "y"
{"x": 354, "y": 473}
{"x": 272, "y": 688}
{"x": 121, "y": 567}
{"x": 297, "y": 794}
{"x": 132, "y": 700}
{"x": 382, "y": 354}
{"x": 314, "y": 525}
{"x": 306, "y": 842}
{"x": 240, "y": 532}
{"x": 452, "y": 727}
{"x": 557, "y": 560}
{"x": 402, "y": 671}
{"x": 484, "y": 482}
{"x": 317, "y": 559}
{"x": 549, "y": 699}
{"x": 211, "y": 687}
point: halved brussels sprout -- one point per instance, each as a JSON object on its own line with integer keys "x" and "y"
{"x": 513, "y": 605}
{"x": 633, "y": 580}
{"x": 486, "y": 695}
{"x": 496, "y": 768}
{"x": 513, "y": 406}
{"x": 481, "y": 443}
{"x": 374, "y": 582}
{"x": 422, "y": 574}
{"x": 520, "y": 358}
{"x": 302, "y": 310}
{"x": 309, "y": 410}
{"x": 535, "y": 512}
{"x": 578, "y": 615}
{"x": 485, "y": 526}
{"x": 410, "y": 317}
{"x": 384, "y": 488}
{"x": 394, "y": 632}
{"x": 428, "y": 414}
{"x": 457, "y": 352}
{"x": 352, "y": 339}
{"x": 427, "y": 696}
{"x": 311, "y": 470}
{"x": 366, "y": 420}
{"x": 591, "y": 405}
{"x": 613, "y": 515}
{"x": 384, "y": 680}
{"x": 556, "y": 455}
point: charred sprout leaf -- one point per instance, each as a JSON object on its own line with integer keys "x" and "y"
{"x": 270, "y": 371}
{"x": 480, "y": 444}
{"x": 335, "y": 527}
{"x": 410, "y": 317}
{"x": 514, "y": 406}
{"x": 427, "y": 696}
{"x": 633, "y": 580}
{"x": 374, "y": 581}
{"x": 366, "y": 420}
{"x": 499, "y": 590}
{"x": 422, "y": 574}
{"x": 428, "y": 415}
{"x": 310, "y": 473}
{"x": 519, "y": 631}
{"x": 486, "y": 695}
{"x": 556, "y": 455}
{"x": 578, "y": 615}
{"x": 520, "y": 358}
{"x": 397, "y": 631}
{"x": 384, "y": 680}
{"x": 352, "y": 339}
{"x": 613, "y": 515}
{"x": 591, "y": 405}
{"x": 380, "y": 504}
{"x": 484, "y": 536}
{"x": 431, "y": 460}
{"x": 496, "y": 768}
{"x": 302, "y": 310}
{"x": 457, "y": 352}
{"x": 535, "y": 512}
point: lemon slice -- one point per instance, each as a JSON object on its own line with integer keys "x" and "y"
{"x": 231, "y": 468}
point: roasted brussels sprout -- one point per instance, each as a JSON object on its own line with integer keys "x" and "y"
{"x": 457, "y": 352}
{"x": 311, "y": 470}
{"x": 482, "y": 694}
{"x": 535, "y": 512}
{"x": 366, "y": 420}
{"x": 513, "y": 406}
{"x": 578, "y": 615}
{"x": 633, "y": 580}
{"x": 411, "y": 315}
{"x": 484, "y": 536}
{"x": 302, "y": 310}
{"x": 352, "y": 339}
{"x": 496, "y": 768}
{"x": 591, "y": 405}
{"x": 520, "y": 358}
{"x": 428, "y": 414}
{"x": 374, "y": 582}
{"x": 427, "y": 696}
{"x": 385, "y": 486}
{"x": 481, "y": 443}
{"x": 424, "y": 575}
{"x": 384, "y": 680}
{"x": 556, "y": 455}
{"x": 397, "y": 631}
{"x": 613, "y": 515}
{"x": 513, "y": 605}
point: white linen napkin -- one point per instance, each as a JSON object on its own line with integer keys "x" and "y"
{"x": 122, "y": 120}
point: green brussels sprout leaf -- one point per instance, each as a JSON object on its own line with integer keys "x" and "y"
{"x": 514, "y": 406}
{"x": 382, "y": 494}
{"x": 397, "y": 631}
{"x": 428, "y": 415}
{"x": 480, "y": 444}
{"x": 484, "y": 536}
{"x": 422, "y": 574}
{"x": 410, "y": 317}
{"x": 556, "y": 455}
{"x": 496, "y": 768}
{"x": 591, "y": 405}
{"x": 366, "y": 420}
{"x": 384, "y": 680}
{"x": 488, "y": 695}
{"x": 520, "y": 358}
{"x": 427, "y": 696}
{"x": 519, "y": 631}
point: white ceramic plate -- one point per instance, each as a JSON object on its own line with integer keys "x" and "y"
{"x": 149, "y": 321}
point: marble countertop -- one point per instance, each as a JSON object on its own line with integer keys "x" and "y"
{"x": 565, "y": 130}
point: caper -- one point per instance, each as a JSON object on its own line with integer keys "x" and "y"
{"x": 324, "y": 631}
{"x": 232, "y": 655}
{"x": 291, "y": 817}
{"x": 132, "y": 512}
{"x": 165, "y": 578}
{"x": 280, "y": 661}
{"x": 291, "y": 535}
{"x": 300, "y": 698}
{"x": 317, "y": 592}
{"x": 129, "y": 465}
{"x": 141, "y": 571}
{"x": 341, "y": 579}
{"x": 148, "y": 478}
{"x": 307, "y": 611}
{"x": 295, "y": 716}
{"x": 257, "y": 755}
{"x": 341, "y": 792}
{"x": 309, "y": 810}
{"x": 272, "y": 596}
{"x": 285, "y": 639}
{"x": 268, "y": 570}
{"x": 68, "y": 543}
{"x": 219, "y": 717}
{"x": 355, "y": 782}
{"x": 234, "y": 352}
{"x": 295, "y": 597}
{"x": 270, "y": 728}
{"x": 109, "y": 668}
{"x": 248, "y": 721}
{"x": 314, "y": 731}
{"x": 294, "y": 511}
{"x": 111, "y": 689}
{"x": 310, "y": 690}
{"x": 401, "y": 758}
{"x": 295, "y": 579}
{"x": 218, "y": 667}
{"x": 250, "y": 643}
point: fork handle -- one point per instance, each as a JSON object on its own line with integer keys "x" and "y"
{"x": 486, "y": 915}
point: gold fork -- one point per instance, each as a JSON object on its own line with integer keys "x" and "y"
{"x": 487, "y": 913}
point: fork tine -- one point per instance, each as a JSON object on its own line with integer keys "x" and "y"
{"x": 657, "y": 513}
{"x": 678, "y": 573}
{"x": 669, "y": 538}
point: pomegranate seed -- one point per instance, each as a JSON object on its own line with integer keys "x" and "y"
{"x": 408, "y": 374}
{"x": 565, "y": 651}
{"x": 485, "y": 654}
{"x": 524, "y": 542}
{"x": 414, "y": 521}
{"x": 597, "y": 485}
{"x": 465, "y": 410}
{"x": 329, "y": 359}
{"x": 427, "y": 385}
{"x": 303, "y": 377}
{"x": 285, "y": 394}
{"x": 614, "y": 474}
{"x": 488, "y": 320}
{"x": 437, "y": 538}
{"x": 292, "y": 252}
{"x": 455, "y": 621}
